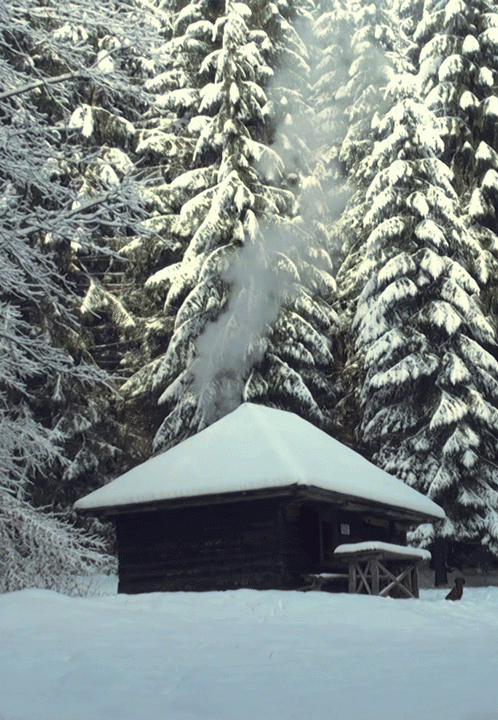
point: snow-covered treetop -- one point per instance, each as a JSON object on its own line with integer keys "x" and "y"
{"x": 252, "y": 448}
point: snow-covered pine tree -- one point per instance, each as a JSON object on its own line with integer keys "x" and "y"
{"x": 295, "y": 373}
{"x": 35, "y": 374}
{"x": 428, "y": 397}
{"x": 54, "y": 405}
{"x": 452, "y": 78}
{"x": 244, "y": 311}
{"x": 332, "y": 57}
{"x": 74, "y": 94}
{"x": 357, "y": 52}
{"x": 355, "y": 41}
{"x": 478, "y": 109}
{"x": 456, "y": 58}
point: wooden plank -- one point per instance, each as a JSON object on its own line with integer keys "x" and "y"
{"x": 375, "y": 576}
{"x": 415, "y": 585}
{"x": 381, "y": 554}
{"x": 352, "y": 578}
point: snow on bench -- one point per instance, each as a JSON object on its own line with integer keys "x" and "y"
{"x": 389, "y": 550}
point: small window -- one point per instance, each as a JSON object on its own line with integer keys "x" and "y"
{"x": 345, "y": 529}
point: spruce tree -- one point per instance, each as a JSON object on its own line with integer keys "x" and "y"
{"x": 244, "y": 312}
{"x": 423, "y": 340}
{"x": 357, "y": 53}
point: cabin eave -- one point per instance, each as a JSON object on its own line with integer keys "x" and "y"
{"x": 294, "y": 492}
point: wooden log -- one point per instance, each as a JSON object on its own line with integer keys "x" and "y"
{"x": 205, "y": 570}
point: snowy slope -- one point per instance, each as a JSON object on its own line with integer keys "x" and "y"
{"x": 248, "y": 655}
{"x": 257, "y": 447}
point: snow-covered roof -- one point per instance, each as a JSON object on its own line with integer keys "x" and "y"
{"x": 253, "y": 448}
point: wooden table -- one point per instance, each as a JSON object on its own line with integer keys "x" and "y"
{"x": 383, "y": 569}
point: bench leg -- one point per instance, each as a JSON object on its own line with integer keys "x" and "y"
{"x": 375, "y": 576}
{"x": 352, "y": 577}
{"x": 415, "y": 586}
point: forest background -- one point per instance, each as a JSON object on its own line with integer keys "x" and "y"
{"x": 209, "y": 202}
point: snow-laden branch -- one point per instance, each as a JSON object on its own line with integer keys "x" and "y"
{"x": 76, "y": 75}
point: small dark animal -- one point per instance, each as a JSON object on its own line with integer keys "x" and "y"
{"x": 457, "y": 592}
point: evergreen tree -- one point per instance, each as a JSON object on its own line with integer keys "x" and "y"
{"x": 358, "y": 51}
{"x": 37, "y": 376}
{"x": 428, "y": 396}
{"x": 175, "y": 172}
{"x": 456, "y": 61}
{"x": 246, "y": 306}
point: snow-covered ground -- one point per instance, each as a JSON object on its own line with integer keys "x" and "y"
{"x": 248, "y": 655}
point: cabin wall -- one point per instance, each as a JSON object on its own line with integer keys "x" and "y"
{"x": 216, "y": 547}
{"x": 261, "y": 543}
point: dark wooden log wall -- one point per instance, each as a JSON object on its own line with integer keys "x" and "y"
{"x": 220, "y": 547}
{"x": 259, "y": 543}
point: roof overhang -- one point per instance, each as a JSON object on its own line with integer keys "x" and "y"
{"x": 294, "y": 492}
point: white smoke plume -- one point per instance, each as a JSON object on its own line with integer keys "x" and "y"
{"x": 229, "y": 347}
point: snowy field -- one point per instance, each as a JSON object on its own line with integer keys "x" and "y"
{"x": 248, "y": 655}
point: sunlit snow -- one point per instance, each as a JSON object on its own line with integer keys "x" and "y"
{"x": 257, "y": 447}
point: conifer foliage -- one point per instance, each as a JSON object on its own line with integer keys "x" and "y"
{"x": 421, "y": 330}
{"x": 247, "y": 303}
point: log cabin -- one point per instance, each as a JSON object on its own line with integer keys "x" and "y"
{"x": 259, "y": 499}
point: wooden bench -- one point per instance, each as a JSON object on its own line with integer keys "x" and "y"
{"x": 380, "y": 568}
